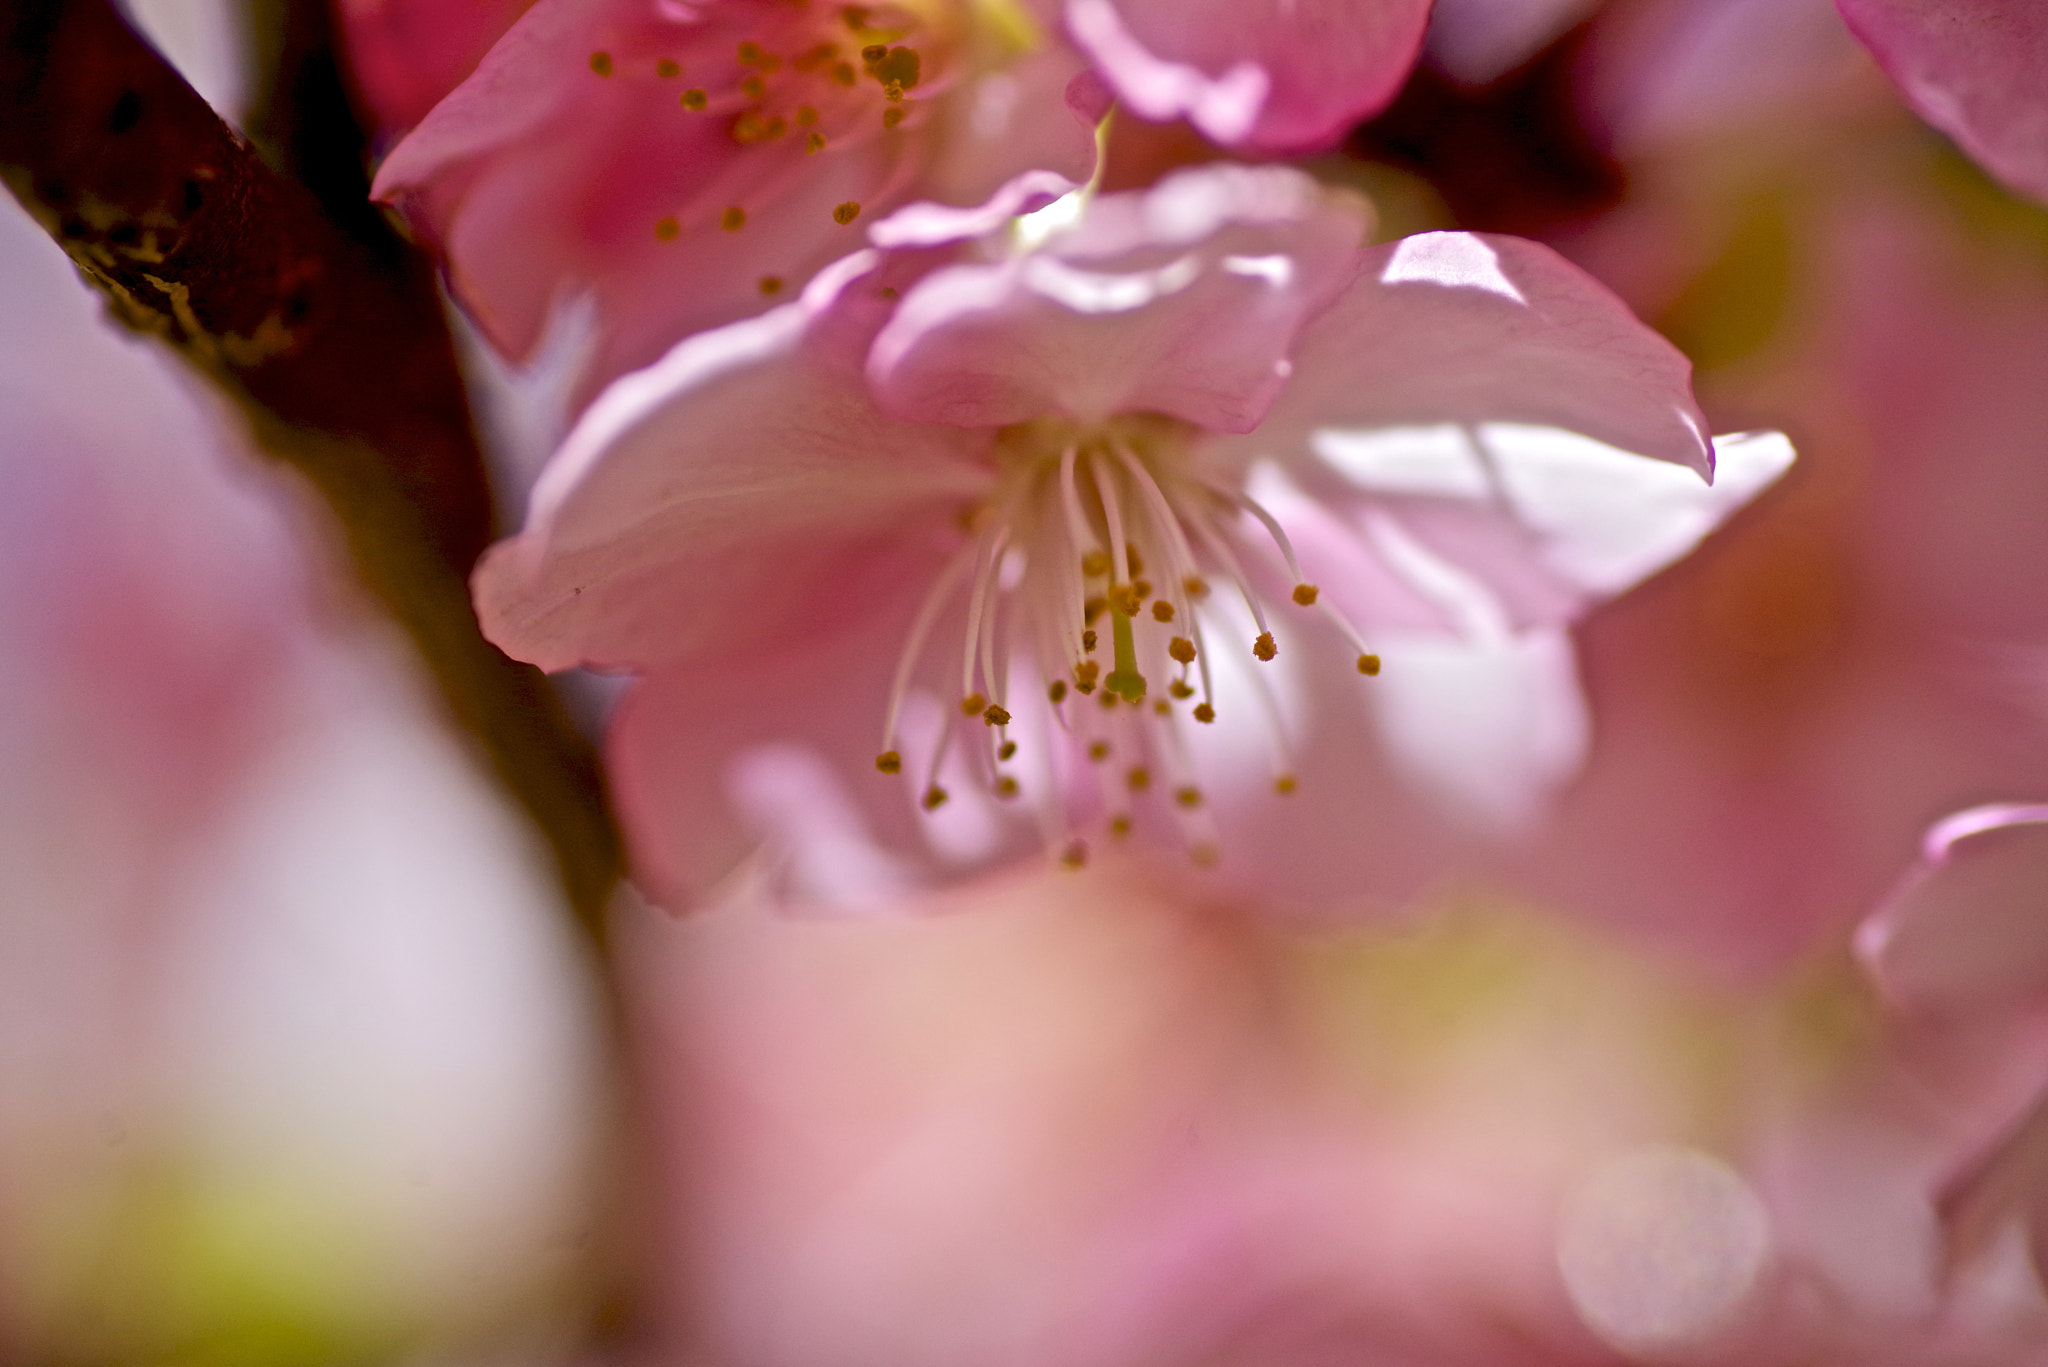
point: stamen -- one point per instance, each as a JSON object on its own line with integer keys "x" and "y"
{"x": 913, "y": 644}
{"x": 667, "y": 69}
{"x": 846, "y": 213}
{"x": 601, "y": 63}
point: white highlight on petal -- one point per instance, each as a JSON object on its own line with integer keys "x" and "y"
{"x": 1105, "y": 292}
{"x": 1224, "y": 107}
{"x": 1661, "y": 1246}
{"x": 928, "y": 224}
{"x": 1454, "y": 260}
{"x": 1276, "y": 270}
{"x": 1609, "y": 519}
{"x": 1404, "y": 460}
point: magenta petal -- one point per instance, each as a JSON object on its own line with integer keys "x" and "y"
{"x": 1185, "y": 299}
{"x": 740, "y": 488}
{"x": 1970, "y": 925}
{"x": 1278, "y": 75}
{"x": 1974, "y": 69}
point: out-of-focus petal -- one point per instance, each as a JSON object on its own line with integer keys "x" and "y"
{"x": 1969, "y": 927}
{"x": 1278, "y": 75}
{"x": 730, "y": 492}
{"x": 1972, "y": 68}
{"x": 1185, "y": 299}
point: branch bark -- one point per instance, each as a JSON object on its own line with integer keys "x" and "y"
{"x": 335, "y": 347}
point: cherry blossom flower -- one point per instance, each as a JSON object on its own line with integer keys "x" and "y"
{"x": 1039, "y": 529}
{"x": 688, "y": 163}
{"x": 1973, "y": 70}
{"x": 1276, "y": 75}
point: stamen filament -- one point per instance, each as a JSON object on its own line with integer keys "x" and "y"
{"x": 913, "y": 643}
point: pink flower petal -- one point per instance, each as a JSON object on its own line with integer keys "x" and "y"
{"x": 571, "y": 162}
{"x": 406, "y": 55}
{"x": 1970, "y": 925}
{"x": 1972, "y": 68}
{"x": 1278, "y": 75}
{"x": 1184, "y": 299}
{"x": 732, "y": 493}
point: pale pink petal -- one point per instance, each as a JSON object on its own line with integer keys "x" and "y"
{"x": 743, "y": 488}
{"x": 1278, "y": 75}
{"x": 1970, "y": 926}
{"x": 1477, "y": 328}
{"x": 1972, "y": 68}
{"x": 1184, "y": 299}
{"x": 1489, "y": 729}
{"x": 1478, "y": 41}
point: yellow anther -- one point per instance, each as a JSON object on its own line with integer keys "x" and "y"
{"x": 666, "y": 229}
{"x": 1120, "y": 825}
{"x": 1085, "y": 674}
{"x": 1368, "y": 664}
{"x": 1134, "y": 560}
{"x": 1162, "y": 611}
{"x": 695, "y": 99}
{"x": 856, "y": 16}
{"x": 1006, "y": 787}
{"x": 892, "y": 116}
{"x": 816, "y": 57}
{"x": 750, "y": 127}
{"x": 1180, "y": 647}
{"x": 1263, "y": 647}
{"x": 972, "y": 704}
{"x": 667, "y": 69}
{"x": 814, "y": 141}
{"x": 806, "y": 116}
{"x": 1057, "y": 690}
{"x": 889, "y": 762}
{"x": 754, "y": 88}
{"x": 874, "y": 52}
{"x": 1095, "y": 563}
{"x": 1163, "y": 708}
{"x": 750, "y": 53}
{"x": 1189, "y": 796}
{"x": 1204, "y": 712}
{"x": 893, "y": 93}
{"x": 890, "y": 292}
{"x": 601, "y": 63}
{"x": 846, "y": 213}
{"x": 1284, "y": 784}
{"x": 771, "y": 284}
{"x": 733, "y": 219}
{"x": 1007, "y": 749}
{"x": 1139, "y": 778}
{"x": 1179, "y": 689}
{"x": 1127, "y": 598}
{"x": 1305, "y": 594}
{"x": 1074, "y": 856}
{"x": 844, "y": 73}
{"x": 1196, "y": 586}
{"x": 934, "y": 798}
{"x": 996, "y": 715}
{"x": 1098, "y": 751}
{"x": 1088, "y": 639}
{"x": 1093, "y": 608}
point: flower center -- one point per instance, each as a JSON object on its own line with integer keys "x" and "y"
{"x": 1090, "y": 567}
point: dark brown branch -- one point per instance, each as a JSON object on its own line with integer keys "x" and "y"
{"x": 334, "y": 346}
